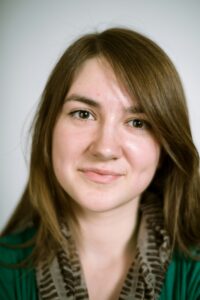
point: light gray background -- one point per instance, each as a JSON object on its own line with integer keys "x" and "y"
{"x": 34, "y": 34}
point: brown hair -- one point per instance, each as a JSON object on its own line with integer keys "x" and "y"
{"x": 149, "y": 76}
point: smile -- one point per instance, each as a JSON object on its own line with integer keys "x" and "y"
{"x": 101, "y": 176}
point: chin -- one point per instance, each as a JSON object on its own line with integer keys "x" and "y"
{"x": 97, "y": 205}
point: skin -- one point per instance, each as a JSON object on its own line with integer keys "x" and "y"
{"x": 104, "y": 156}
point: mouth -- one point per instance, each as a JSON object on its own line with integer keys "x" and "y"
{"x": 101, "y": 176}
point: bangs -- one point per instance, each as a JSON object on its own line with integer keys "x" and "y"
{"x": 149, "y": 76}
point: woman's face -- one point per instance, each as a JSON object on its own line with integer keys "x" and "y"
{"x": 104, "y": 153}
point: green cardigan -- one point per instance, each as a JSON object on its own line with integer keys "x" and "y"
{"x": 182, "y": 281}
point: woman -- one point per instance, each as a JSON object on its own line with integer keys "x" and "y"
{"x": 112, "y": 204}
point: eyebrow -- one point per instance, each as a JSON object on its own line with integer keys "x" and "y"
{"x": 83, "y": 99}
{"x": 79, "y": 98}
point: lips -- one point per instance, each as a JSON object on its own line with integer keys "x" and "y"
{"x": 101, "y": 175}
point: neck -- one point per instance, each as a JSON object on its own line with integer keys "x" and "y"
{"x": 107, "y": 235}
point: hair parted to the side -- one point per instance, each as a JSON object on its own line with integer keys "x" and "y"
{"x": 150, "y": 77}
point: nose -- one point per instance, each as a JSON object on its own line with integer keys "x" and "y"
{"x": 105, "y": 144}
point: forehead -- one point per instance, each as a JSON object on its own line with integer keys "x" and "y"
{"x": 96, "y": 79}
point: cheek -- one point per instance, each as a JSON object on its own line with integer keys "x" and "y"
{"x": 60, "y": 148}
{"x": 67, "y": 144}
{"x": 143, "y": 152}
{"x": 59, "y": 143}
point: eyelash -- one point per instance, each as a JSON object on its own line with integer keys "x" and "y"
{"x": 73, "y": 114}
{"x": 139, "y": 123}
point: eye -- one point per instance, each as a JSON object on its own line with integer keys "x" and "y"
{"x": 139, "y": 123}
{"x": 82, "y": 114}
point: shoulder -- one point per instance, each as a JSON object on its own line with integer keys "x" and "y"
{"x": 182, "y": 279}
{"x": 16, "y": 282}
{"x": 10, "y": 250}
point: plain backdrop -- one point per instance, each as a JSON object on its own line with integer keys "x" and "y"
{"x": 33, "y": 35}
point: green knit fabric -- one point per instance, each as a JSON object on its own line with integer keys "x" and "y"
{"x": 16, "y": 284}
{"x": 182, "y": 281}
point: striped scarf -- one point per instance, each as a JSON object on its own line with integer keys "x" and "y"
{"x": 63, "y": 278}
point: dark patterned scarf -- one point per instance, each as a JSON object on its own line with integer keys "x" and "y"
{"x": 63, "y": 279}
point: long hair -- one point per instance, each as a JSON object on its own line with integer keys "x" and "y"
{"x": 149, "y": 76}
